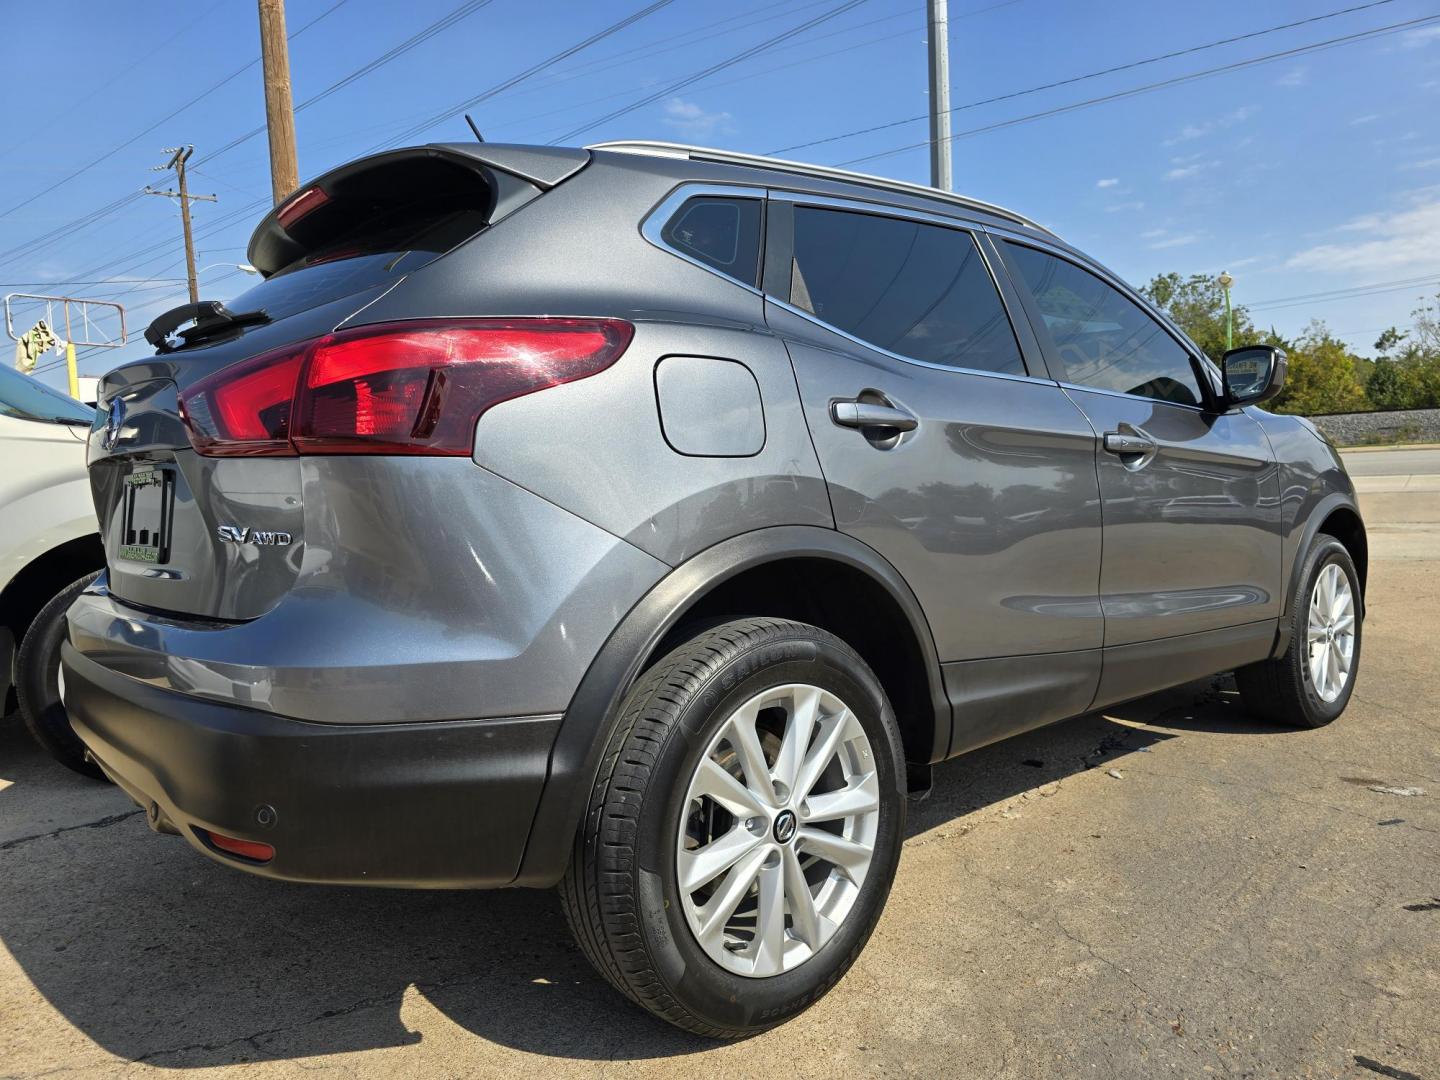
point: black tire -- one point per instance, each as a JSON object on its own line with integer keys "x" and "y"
{"x": 1282, "y": 690}
{"x": 37, "y": 683}
{"x": 620, "y": 892}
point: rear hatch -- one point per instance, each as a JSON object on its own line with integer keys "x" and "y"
{"x": 221, "y": 535}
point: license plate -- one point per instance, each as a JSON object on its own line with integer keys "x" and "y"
{"x": 147, "y": 509}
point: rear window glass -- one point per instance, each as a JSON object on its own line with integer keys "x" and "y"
{"x": 723, "y": 233}
{"x": 919, "y": 290}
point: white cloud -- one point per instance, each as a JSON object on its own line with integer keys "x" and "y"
{"x": 1219, "y": 123}
{"x": 1109, "y": 181}
{"x": 1396, "y": 240}
{"x": 1151, "y": 234}
{"x": 694, "y": 122}
{"x": 1119, "y": 207}
{"x": 1188, "y": 166}
{"x": 1294, "y": 77}
{"x": 1426, "y": 163}
{"x": 1175, "y": 241}
{"x": 1419, "y": 38}
{"x": 1368, "y": 118}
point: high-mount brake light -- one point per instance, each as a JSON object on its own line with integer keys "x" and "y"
{"x": 394, "y": 388}
{"x": 300, "y": 205}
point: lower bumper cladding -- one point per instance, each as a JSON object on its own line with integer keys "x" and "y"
{"x": 429, "y": 805}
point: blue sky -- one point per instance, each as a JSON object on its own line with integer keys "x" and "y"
{"x": 1302, "y": 175}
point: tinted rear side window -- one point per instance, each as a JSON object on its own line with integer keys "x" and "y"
{"x": 1102, "y": 337}
{"x": 919, "y": 290}
{"x": 723, "y": 233}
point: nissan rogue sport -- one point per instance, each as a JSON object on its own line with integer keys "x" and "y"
{"x": 646, "y": 520}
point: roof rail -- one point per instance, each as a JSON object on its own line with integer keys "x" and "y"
{"x": 826, "y": 172}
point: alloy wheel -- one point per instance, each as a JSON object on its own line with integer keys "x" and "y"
{"x": 778, "y": 830}
{"x": 1330, "y": 633}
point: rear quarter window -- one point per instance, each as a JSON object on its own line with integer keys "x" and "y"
{"x": 723, "y": 233}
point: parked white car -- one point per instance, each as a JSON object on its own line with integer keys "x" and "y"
{"x": 49, "y": 550}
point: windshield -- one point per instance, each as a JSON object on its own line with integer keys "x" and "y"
{"x": 25, "y": 398}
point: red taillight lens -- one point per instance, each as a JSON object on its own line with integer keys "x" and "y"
{"x": 399, "y": 388}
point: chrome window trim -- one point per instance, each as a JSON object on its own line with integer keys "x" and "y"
{"x": 652, "y": 226}
{"x": 1087, "y": 264}
{"x": 904, "y": 359}
{"x": 863, "y": 206}
{"x": 657, "y": 148}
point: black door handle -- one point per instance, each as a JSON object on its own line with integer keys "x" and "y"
{"x": 867, "y": 414}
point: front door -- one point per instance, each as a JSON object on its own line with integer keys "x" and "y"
{"x": 941, "y": 452}
{"x": 1190, "y": 494}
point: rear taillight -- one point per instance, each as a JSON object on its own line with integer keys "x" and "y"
{"x": 395, "y": 388}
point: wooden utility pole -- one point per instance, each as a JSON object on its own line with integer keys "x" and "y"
{"x": 179, "y": 155}
{"x": 940, "y": 96}
{"x": 279, "y": 112}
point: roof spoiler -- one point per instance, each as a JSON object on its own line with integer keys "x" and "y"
{"x": 515, "y": 173}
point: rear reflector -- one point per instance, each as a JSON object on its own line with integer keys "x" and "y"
{"x": 246, "y": 849}
{"x": 394, "y": 388}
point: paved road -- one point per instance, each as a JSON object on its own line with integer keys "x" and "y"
{"x": 1230, "y": 899}
{"x": 1397, "y": 462}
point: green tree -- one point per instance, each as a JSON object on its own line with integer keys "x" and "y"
{"x": 1388, "y": 387}
{"x": 1321, "y": 376}
{"x": 1388, "y": 341}
{"x": 1196, "y": 304}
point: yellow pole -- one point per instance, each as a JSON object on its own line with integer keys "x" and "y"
{"x": 72, "y": 370}
{"x": 70, "y": 367}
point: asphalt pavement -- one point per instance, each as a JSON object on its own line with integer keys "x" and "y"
{"x": 1170, "y": 889}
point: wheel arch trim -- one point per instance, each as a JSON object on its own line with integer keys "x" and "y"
{"x": 587, "y": 724}
{"x": 1336, "y": 500}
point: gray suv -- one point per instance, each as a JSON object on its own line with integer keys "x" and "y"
{"x": 646, "y": 520}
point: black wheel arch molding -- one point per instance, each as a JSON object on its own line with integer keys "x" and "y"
{"x": 1315, "y": 520}
{"x": 585, "y": 728}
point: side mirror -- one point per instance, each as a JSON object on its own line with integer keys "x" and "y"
{"x": 1253, "y": 374}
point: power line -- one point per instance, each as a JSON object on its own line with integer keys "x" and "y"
{"x": 68, "y": 109}
{"x": 455, "y": 15}
{"x": 1353, "y": 293}
{"x": 534, "y": 69}
{"x": 1082, "y": 78}
{"x": 170, "y": 116}
{"x": 739, "y": 57}
{"x": 1346, "y": 39}
{"x": 63, "y": 231}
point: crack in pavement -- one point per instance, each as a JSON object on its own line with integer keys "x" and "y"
{"x": 102, "y": 823}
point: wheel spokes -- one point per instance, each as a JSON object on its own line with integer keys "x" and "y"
{"x": 770, "y": 920}
{"x": 746, "y": 742}
{"x": 859, "y": 798}
{"x": 832, "y": 731}
{"x": 702, "y": 865}
{"x": 717, "y": 911}
{"x": 848, "y": 856}
{"x": 809, "y": 926}
{"x": 714, "y": 780}
{"x": 804, "y": 711}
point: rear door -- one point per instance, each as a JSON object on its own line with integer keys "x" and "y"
{"x": 1190, "y": 493}
{"x": 942, "y": 451}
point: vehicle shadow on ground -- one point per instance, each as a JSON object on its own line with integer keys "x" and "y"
{"x": 161, "y": 956}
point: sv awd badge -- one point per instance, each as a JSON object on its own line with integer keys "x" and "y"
{"x": 243, "y": 534}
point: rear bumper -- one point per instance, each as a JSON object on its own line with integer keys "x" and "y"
{"x": 431, "y": 805}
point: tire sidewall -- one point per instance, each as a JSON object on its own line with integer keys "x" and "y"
{"x": 1319, "y": 711}
{"x": 710, "y": 992}
{"x": 37, "y": 682}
